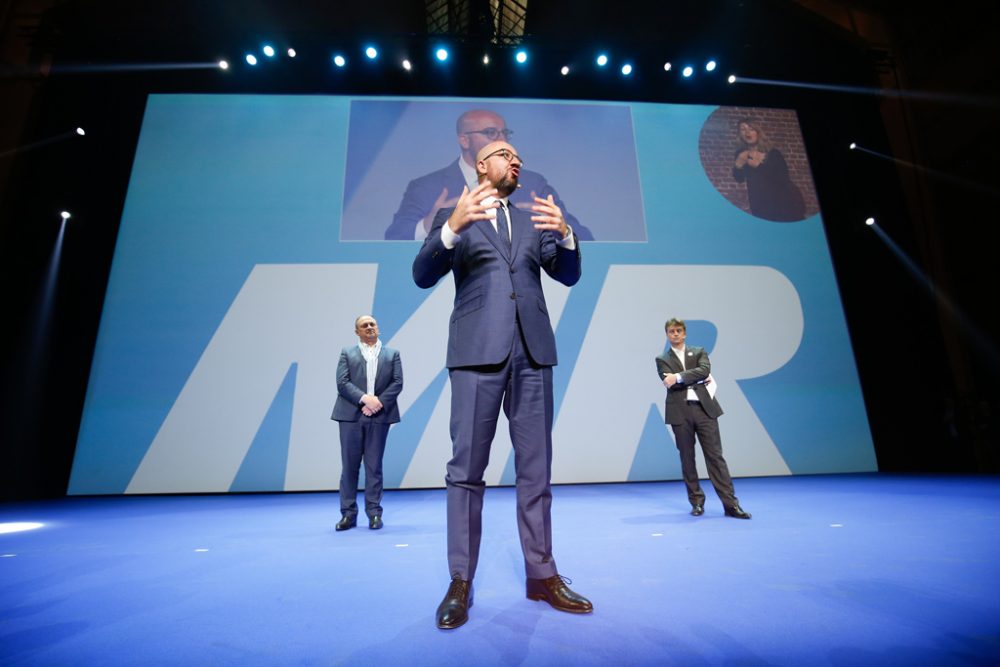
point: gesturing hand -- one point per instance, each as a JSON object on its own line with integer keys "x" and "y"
{"x": 469, "y": 209}
{"x": 549, "y": 216}
{"x": 441, "y": 202}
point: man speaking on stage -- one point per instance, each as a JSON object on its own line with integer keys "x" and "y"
{"x": 501, "y": 350}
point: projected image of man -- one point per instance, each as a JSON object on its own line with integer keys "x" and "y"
{"x": 501, "y": 350}
{"x": 426, "y": 195}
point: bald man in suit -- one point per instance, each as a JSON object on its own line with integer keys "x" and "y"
{"x": 428, "y": 194}
{"x": 501, "y": 350}
{"x": 369, "y": 379}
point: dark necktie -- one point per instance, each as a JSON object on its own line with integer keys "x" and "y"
{"x": 502, "y": 227}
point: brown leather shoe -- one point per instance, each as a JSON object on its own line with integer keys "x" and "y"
{"x": 454, "y": 608}
{"x": 556, "y": 592}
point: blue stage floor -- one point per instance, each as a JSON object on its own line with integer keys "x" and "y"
{"x": 832, "y": 570}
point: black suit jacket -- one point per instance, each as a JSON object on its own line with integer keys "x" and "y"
{"x": 698, "y": 369}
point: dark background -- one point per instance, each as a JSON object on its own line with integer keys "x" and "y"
{"x": 924, "y": 333}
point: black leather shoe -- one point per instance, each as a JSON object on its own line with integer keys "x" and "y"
{"x": 347, "y": 522}
{"x": 737, "y": 512}
{"x": 375, "y": 522}
{"x": 454, "y": 608}
{"x": 697, "y": 510}
{"x": 557, "y": 593}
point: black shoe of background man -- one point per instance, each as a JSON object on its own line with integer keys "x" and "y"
{"x": 697, "y": 510}
{"x": 737, "y": 512}
{"x": 347, "y": 523}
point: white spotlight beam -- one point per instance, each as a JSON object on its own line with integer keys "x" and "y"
{"x": 943, "y": 175}
{"x": 41, "y": 142}
{"x": 132, "y": 67}
{"x": 970, "y": 100}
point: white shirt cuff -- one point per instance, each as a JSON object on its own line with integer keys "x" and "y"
{"x": 568, "y": 242}
{"x": 448, "y": 238}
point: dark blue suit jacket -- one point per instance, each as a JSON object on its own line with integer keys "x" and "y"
{"x": 494, "y": 289}
{"x": 422, "y": 192}
{"x": 352, "y": 380}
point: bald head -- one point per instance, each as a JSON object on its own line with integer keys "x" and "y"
{"x": 499, "y": 163}
{"x": 474, "y": 129}
{"x": 478, "y": 119}
{"x": 493, "y": 146}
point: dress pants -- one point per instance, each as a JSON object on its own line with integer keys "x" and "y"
{"x": 697, "y": 422}
{"x": 363, "y": 439}
{"x": 524, "y": 390}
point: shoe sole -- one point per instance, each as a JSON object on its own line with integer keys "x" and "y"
{"x": 542, "y": 598}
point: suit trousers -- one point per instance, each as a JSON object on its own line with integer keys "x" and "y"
{"x": 524, "y": 390}
{"x": 697, "y": 422}
{"x": 361, "y": 440}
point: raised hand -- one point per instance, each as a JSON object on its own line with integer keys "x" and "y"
{"x": 441, "y": 202}
{"x": 549, "y": 216}
{"x": 468, "y": 209}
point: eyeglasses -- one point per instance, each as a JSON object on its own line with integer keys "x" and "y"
{"x": 492, "y": 133}
{"x": 506, "y": 155}
{"x": 367, "y": 325}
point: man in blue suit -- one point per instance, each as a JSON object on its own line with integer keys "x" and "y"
{"x": 426, "y": 195}
{"x": 369, "y": 379}
{"x": 501, "y": 350}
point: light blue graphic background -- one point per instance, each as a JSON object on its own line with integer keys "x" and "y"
{"x": 222, "y": 184}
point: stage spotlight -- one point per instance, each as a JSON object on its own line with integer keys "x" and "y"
{"x": 564, "y": 71}
{"x": 223, "y": 64}
{"x": 251, "y": 59}
{"x": 626, "y": 69}
{"x": 687, "y": 71}
{"x": 18, "y": 526}
{"x": 80, "y": 131}
{"x": 710, "y": 66}
{"x": 667, "y": 66}
{"x": 407, "y": 65}
{"x": 291, "y": 53}
{"x": 602, "y": 60}
{"x": 870, "y": 221}
{"x": 486, "y": 60}
{"x": 268, "y": 50}
{"x": 371, "y": 52}
{"x": 732, "y": 78}
{"x": 339, "y": 60}
{"x": 853, "y": 146}
{"x": 65, "y": 215}
{"x": 521, "y": 57}
{"x": 441, "y": 54}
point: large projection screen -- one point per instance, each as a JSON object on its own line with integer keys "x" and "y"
{"x": 256, "y": 228}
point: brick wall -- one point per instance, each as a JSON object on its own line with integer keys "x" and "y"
{"x": 720, "y": 139}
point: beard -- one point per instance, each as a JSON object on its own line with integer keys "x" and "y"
{"x": 506, "y": 185}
